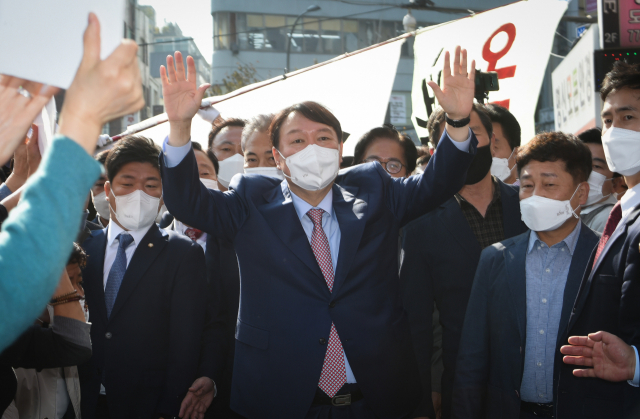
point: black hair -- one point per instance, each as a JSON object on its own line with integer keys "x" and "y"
{"x": 311, "y": 110}
{"x": 219, "y": 124}
{"x": 554, "y": 146}
{"x": 132, "y": 148}
{"x": 591, "y": 136}
{"x": 510, "y": 126}
{"x": 622, "y": 76}
{"x": 78, "y": 255}
{"x": 210, "y": 154}
{"x": 435, "y": 124}
{"x": 482, "y": 113}
{"x": 385, "y": 132}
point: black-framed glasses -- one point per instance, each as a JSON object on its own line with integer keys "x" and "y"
{"x": 392, "y": 166}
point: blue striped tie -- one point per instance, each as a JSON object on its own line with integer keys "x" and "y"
{"x": 117, "y": 271}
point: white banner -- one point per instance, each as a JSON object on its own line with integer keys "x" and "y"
{"x": 575, "y": 101}
{"x": 513, "y": 40}
{"x": 356, "y": 89}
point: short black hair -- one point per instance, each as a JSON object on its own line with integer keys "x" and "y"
{"x": 78, "y": 255}
{"x": 622, "y": 76}
{"x": 485, "y": 120}
{"x": 101, "y": 157}
{"x": 220, "y": 123}
{"x": 423, "y": 160}
{"x": 210, "y": 154}
{"x": 591, "y": 136}
{"x": 313, "y": 111}
{"x": 554, "y": 146}
{"x": 435, "y": 124}
{"x": 132, "y": 148}
{"x": 510, "y": 126}
{"x": 384, "y": 132}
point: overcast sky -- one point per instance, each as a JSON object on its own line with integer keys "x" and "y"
{"x": 193, "y": 17}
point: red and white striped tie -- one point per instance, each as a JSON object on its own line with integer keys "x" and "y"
{"x": 334, "y": 374}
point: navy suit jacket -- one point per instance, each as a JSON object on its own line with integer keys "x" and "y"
{"x": 492, "y": 349}
{"x": 286, "y": 309}
{"x": 148, "y": 350}
{"x": 609, "y": 300}
{"x": 440, "y": 257}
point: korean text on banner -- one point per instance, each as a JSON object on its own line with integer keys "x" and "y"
{"x": 356, "y": 89}
{"x": 513, "y": 40}
{"x": 575, "y": 102}
{"x": 42, "y": 39}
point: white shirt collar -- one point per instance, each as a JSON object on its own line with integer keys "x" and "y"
{"x": 115, "y": 229}
{"x": 630, "y": 200}
{"x": 302, "y": 206}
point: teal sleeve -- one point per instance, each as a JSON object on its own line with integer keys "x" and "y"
{"x": 36, "y": 239}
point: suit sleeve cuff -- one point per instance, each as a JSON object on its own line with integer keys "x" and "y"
{"x": 636, "y": 377}
{"x": 174, "y": 155}
{"x": 4, "y": 191}
{"x": 462, "y": 146}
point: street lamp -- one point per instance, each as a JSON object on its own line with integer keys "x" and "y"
{"x": 409, "y": 22}
{"x": 312, "y": 8}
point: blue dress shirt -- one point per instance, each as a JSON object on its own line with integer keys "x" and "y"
{"x": 547, "y": 269}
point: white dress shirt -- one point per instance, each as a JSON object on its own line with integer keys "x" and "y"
{"x": 181, "y": 228}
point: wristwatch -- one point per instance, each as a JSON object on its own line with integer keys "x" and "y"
{"x": 457, "y": 123}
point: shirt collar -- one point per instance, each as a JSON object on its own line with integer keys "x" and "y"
{"x": 302, "y": 206}
{"x": 115, "y": 229}
{"x": 570, "y": 241}
{"x": 611, "y": 200}
{"x": 630, "y": 200}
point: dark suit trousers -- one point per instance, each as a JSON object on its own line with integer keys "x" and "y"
{"x": 357, "y": 410}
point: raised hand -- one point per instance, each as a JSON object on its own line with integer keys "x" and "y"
{"x": 18, "y": 110}
{"x": 609, "y": 357}
{"x": 458, "y": 85}
{"x": 198, "y": 399}
{"x": 182, "y": 98}
{"x": 102, "y": 90}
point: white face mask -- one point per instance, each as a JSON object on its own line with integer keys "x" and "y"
{"x": 500, "y": 167}
{"x": 136, "y": 210}
{"x": 230, "y": 167}
{"x": 314, "y": 167}
{"x": 596, "y": 180}
{"x": 544, "y": 214}
{"x": 101, "y": 205}
{"x": 622, "y": 150}
{"x": 209, "y": 183}
{"x": 163, "y": 209}
{"x": 265, "y": 171}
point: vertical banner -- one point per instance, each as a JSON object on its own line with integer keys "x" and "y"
{"x": 575, "y": 101}
{"x": 513, "y": 40}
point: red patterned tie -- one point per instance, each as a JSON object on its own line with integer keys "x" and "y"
{"x": 193, "y": 233}
{"x": 612, "y": 222}
{"x": 334, "y": 374}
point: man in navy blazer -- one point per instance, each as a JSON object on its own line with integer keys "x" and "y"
{"x": 523, "y": 292}
{"x": 609, "y": 298}
{"x": 318, "y": 335}
{"x": 145, "y": 289}
{"x": 483, "y": 212}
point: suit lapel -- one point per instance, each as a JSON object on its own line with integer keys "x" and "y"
{"x": 515, "y": 261}
{"x": 94, "y": 274}
{"x": 582, "y": 251}
{"x": 350, "y": 213}
{"x": 282, "y": 217}
{"x": 141, "y": 260}
{"x": 511, "y": 219}
{"x": 454, "y": 221}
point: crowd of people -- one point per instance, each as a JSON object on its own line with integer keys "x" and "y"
{"x": 267, "y": 276}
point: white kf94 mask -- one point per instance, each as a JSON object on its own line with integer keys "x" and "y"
{"x": 314, "y": 167}
{"x": 101, "y": 205}
{"x": 230, "y": 167}
{"x": 622, "y": 150}
{"x": 136, "y": 210}
{"x": 544, "y": 214}
{"x": 209, "y": 183}
{"x": 265, "y": 171}
{"x": 596, "y": 180}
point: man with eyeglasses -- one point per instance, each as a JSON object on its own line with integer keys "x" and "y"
{"x": 393, "y": 150}
{"x": 485, "y": 211}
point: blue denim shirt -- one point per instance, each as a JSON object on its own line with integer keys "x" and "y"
{"x": 546, "y": 269}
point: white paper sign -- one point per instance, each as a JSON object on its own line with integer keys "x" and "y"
{"x": 357, "y": 96}
{"x": 42, "y": 39}
{"x": 575, "y": 101}
{"x": 513, "y": 40}
{"x": 397, "y": 109}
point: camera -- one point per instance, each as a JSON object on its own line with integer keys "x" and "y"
{"x": 485, "y": 82}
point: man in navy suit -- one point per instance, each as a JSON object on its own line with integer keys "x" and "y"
{"x": 145, "y": 289}
{"x": 321, "y": 331}
{"x": 483, "y": 212}
{"x": 609, "y": 298}
{"x": 524, "y": 289}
